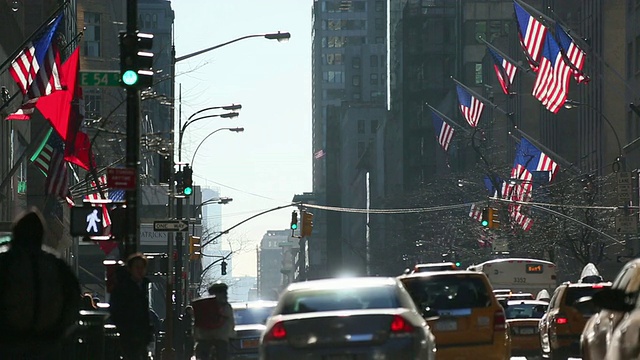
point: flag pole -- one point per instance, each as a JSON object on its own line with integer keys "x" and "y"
{"x": 546, "y": 150}
{"x": 38, "y": 31}
{"x": 447, "y": 118}
{"x": 506, "y": 57}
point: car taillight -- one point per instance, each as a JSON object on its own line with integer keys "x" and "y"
{"x": 561, "y": 320}
{"x": 277, "y": 332}
{"x": 499, "y": 321}
{"x": 400, "y": 325}
{"x": 598, "y": 286}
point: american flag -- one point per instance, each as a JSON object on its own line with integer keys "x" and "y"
{"x": 552, "y": 83}
{"x": 534, "y": 159}
{"x": 470, "y": 106}
{"x": 505, "y": 71}
{"x": 531, "y": 34}
{"x": 444, "y": 132}
{"x": 319, "y": 154}
{"x": 475, "y": 212}
{"x": 49, "y": 158}
{"x": 574, "y": 56}
{"x": 521, "y": 219}
{"x": 36, "y": 70}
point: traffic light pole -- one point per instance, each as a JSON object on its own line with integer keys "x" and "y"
{"x": 179, "y": 253}
{"x": 132, "y": 146}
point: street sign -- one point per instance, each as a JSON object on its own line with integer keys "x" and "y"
{"x": 170, "y": 225}
{"x": 121, "y": 178}
{"x": 100, "y": 78}
{"x": 626, "y": 224}
{"x": 86, "y": 221}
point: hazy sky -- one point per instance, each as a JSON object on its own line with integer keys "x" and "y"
{"x": 269, "y": 162}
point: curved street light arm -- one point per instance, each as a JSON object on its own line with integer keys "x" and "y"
{"x": 184, "y": 127}
{"x": 277, "y": 36}
{"x": 193, "y": 157}
{"x": 231, "y": 107}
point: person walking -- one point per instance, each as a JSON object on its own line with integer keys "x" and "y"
{"x": 40, "y": 296}
{"x": 129, "y": 308}
{"x": 218, "y": 337}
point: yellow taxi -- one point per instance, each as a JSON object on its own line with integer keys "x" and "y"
{"x": 523, "y": 317}
{"x": 463, "y": 313}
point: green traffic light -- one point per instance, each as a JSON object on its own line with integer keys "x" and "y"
{"x": 485, "y": 223}
{"x": 294, "y": 226}
{"x": 458, "y": 263}
{"x": 130, "y": 77}
{"x": 188, "y": 191}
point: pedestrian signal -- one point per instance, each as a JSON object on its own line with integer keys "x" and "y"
{"x": 86, "y": 221}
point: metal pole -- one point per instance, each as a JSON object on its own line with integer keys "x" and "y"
{"x": 132, "y": 145}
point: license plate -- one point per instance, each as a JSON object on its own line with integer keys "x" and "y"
{"x": 249, "y": 343}
{"x": 526, "y": 331}
{"x": 446, "y": 325}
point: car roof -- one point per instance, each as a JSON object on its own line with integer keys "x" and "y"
{"x": 576, "y": 284}
{"x": 335, "y": 283}
{"x": 528, "y": 302}
{"x": 442, "y": 273}
{"x": 253, "y": 304}
{"x": 428, "y": 265}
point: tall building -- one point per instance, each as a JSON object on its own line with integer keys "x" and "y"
{"x": 275, "y": 267}
{"x": 349, "y": 60}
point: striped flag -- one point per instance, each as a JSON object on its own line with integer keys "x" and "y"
{"x": 505, "y": 71}
{"x": 573, "y": 55}
{"x": 475, "y": 212}
{"x": 470, "y": 106}
{"x": 552, "y": 83}
{"x": 531, "y": 34}
{"x": 319, "y": 154}
{"x": 444, "y": 132}
{"x": 36, "y": 70}
{"x": 534, "y": 159}
{"x": 49, "y": 158}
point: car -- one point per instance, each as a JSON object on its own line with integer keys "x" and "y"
{"x": 463, "y": 313}
{"x": 250, "y": 319}
{"x": 523, "y": 318}
{"x": 499, "y": 292}
{"x": 347, "y": 318}
{"x": 598, "y": 333}
{"x": 560, "y": 328}
{"x": 518, "y": 296}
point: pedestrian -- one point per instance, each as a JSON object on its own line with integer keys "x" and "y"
{"x": 129, "y": 308}
{"x": 39, "y": 294}
{"x": 217, "y": 337}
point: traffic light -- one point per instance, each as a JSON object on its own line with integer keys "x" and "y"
{"x": 179, "y": 183}
{"x": 307, "y": 224}
{"x": 458, "y": 264}
{"x": 490, "y": 218}
{"x": 187, "y": 180}
{"x": 194, "y": 248}
{"x": 136, "y": 60}
{"x": 294, "y": 220}
{"x": 223, "y": 267}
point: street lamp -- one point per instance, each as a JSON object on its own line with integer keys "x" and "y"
{"x": 229, "y": 115}
{"x": 237, "y": 129}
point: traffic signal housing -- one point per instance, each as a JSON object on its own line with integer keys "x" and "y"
{"x": 307, "y": 224}
{"x": 187, "y": 180}
{"x": 490, "y": 218}
{"x": 179, "y": 182}
{"x": 195, "y": 252}
{"x": 223, "y": 268}
{"x": 294, "y": 220}
{"x": 136, "y": 60}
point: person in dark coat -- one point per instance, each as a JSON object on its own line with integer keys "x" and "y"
{"x": 129, "y": 308}
{"x": 39, "y": 294}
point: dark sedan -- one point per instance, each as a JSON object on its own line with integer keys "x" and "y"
{"x": 347, "y": 319}
{"x": 250, "y": 318}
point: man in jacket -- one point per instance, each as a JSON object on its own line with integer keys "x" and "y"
{"x": 217, "y": 338}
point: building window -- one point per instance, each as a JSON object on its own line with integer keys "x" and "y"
{"x": 360, "y": 126}
{"x": 355, "y": 62}
{"x": 379, "y": 24}
{"x": 478, "y": 74}
{"x": 92, "y": 103}
{"x": 373, "y": 59}
{"x": 374, "y": 126}
{"x": 374, "y": 79}
{"x": 379, "y": 40}
{"x": 91, "y": 38}
{"x": 355, "y": 80}
{"x": 379, "y": 5}
{"x": 356, "y": 96}
{"x": 332, "y": 77}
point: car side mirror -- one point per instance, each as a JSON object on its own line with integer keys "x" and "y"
{"x": 612, "y": 299}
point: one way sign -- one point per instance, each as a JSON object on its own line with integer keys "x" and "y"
{"x": 170, "y": 225}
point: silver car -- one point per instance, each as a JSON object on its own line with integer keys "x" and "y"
{"x": 347, "y": 319}
{"x": 250, "y": 318}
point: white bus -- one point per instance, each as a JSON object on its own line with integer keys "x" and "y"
{"x": 519, "y": 275}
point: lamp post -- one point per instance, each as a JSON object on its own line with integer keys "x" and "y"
{"x": 230, "y": 115}
{"x": 193, "y": 157}
{"x": 168, "y": 352}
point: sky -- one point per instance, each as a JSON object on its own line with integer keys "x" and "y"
{"x": 267, "y": 164}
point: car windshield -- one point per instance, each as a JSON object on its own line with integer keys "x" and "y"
{"x": 450, "y": 292}
{"x": 525, "y": 311}
{"x": 252, "y": 315}
{"x": 311, "y": 300}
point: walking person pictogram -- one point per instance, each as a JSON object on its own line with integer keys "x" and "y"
{"x": 92, "y": 221}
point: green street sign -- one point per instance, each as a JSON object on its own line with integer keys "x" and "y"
{"x": 100, "y": 78}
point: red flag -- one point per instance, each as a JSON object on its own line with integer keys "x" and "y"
{"x": 61, "y": 110}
